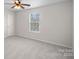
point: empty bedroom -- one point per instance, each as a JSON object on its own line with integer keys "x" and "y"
{"x": 38, "y": 29}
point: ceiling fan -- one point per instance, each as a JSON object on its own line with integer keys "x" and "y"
{"x": 18, "y": 4}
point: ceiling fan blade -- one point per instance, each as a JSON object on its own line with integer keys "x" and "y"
{"x": 13, "y": 1}
{"x": 22, "y": 7}
{"x": 18, "y": 0}
{"x": 12, "y": 6}
{"x": 26, "y": 4}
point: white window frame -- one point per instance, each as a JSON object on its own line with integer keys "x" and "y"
{"x": 30, "y": 24}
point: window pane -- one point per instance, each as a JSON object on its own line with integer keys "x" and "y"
{"x": 34, "y": 22}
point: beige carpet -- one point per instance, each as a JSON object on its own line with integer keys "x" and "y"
{"x": 20, "y": 48}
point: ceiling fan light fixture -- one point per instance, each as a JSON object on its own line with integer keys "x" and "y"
{"x": 17, "y": 2}
{"x": 17, "y": 7}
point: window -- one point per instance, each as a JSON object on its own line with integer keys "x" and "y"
{"x": 34, "y": 22}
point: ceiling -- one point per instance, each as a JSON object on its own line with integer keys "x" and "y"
{"x": 34, "y": 3}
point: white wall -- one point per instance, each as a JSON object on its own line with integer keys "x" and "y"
{"x": 9, "y": 23}
{"x": 56, "y": 24}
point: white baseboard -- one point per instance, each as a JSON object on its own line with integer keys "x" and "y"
{"x": 53, "y": 44}
{"x": 9, "y": 36}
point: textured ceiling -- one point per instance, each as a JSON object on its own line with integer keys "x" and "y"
{"x": 34, "y": 3}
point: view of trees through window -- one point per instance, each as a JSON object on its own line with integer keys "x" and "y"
{"x": 34, "y": 22}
